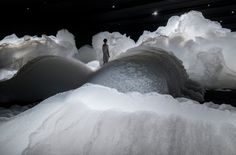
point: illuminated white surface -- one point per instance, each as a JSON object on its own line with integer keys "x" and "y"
{"x": 99, "y": 120}
{"x": 16, "y": 52}
{"x": 86, "y": 53}
{"x": 118, "y": 44}
{"x": 206, "y": 49}
{"x": 7, "y": 74}
{"x": 93, "y": 65}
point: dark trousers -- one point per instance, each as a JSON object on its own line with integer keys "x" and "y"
{"x": 105, "y": 59}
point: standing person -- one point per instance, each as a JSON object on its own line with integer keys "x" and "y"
{"x": 105, "y": 50}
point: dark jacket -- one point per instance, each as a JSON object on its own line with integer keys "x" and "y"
{"x": 106, "y": 54}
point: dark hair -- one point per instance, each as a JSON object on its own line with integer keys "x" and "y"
{"x": 105, "y": 40}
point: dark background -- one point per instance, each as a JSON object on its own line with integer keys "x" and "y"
{"x": 84, "y": 18}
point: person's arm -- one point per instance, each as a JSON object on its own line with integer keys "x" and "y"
{"x": 108, "y": 51}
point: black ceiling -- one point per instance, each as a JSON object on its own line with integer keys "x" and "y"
{"x": 87, "y": 17}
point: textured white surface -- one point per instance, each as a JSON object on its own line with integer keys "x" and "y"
{"x": 99, "y": 120}
{"x": 206, "y": 49}
{"x": 16, "y": 52}
{"x": 118, "y": 44}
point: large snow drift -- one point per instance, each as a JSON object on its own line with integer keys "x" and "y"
{"x": 16, "y": 52}
{"x": 97, "y": 120}
{"x": 146, "y": 69}
{"x": 43, "y": 77}
{"x": 86, "y": 54}
{"x": 117, "y": 42}
{"x": 206, "y": 49}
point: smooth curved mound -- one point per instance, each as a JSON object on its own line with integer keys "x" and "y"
{"x": 43, "y": 77}
{"x": 146, "y": 69}
{"x": 96, "y": 120}
{"x": 86, "y": 54}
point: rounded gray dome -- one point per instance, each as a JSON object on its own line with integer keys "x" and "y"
{"x": 146, "y": 69}
{"x": 43, "y": 77}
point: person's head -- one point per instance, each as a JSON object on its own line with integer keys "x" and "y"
{"x": 105, "y": 40}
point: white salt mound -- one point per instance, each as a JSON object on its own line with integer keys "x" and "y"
{"x": 98, "y": 120}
